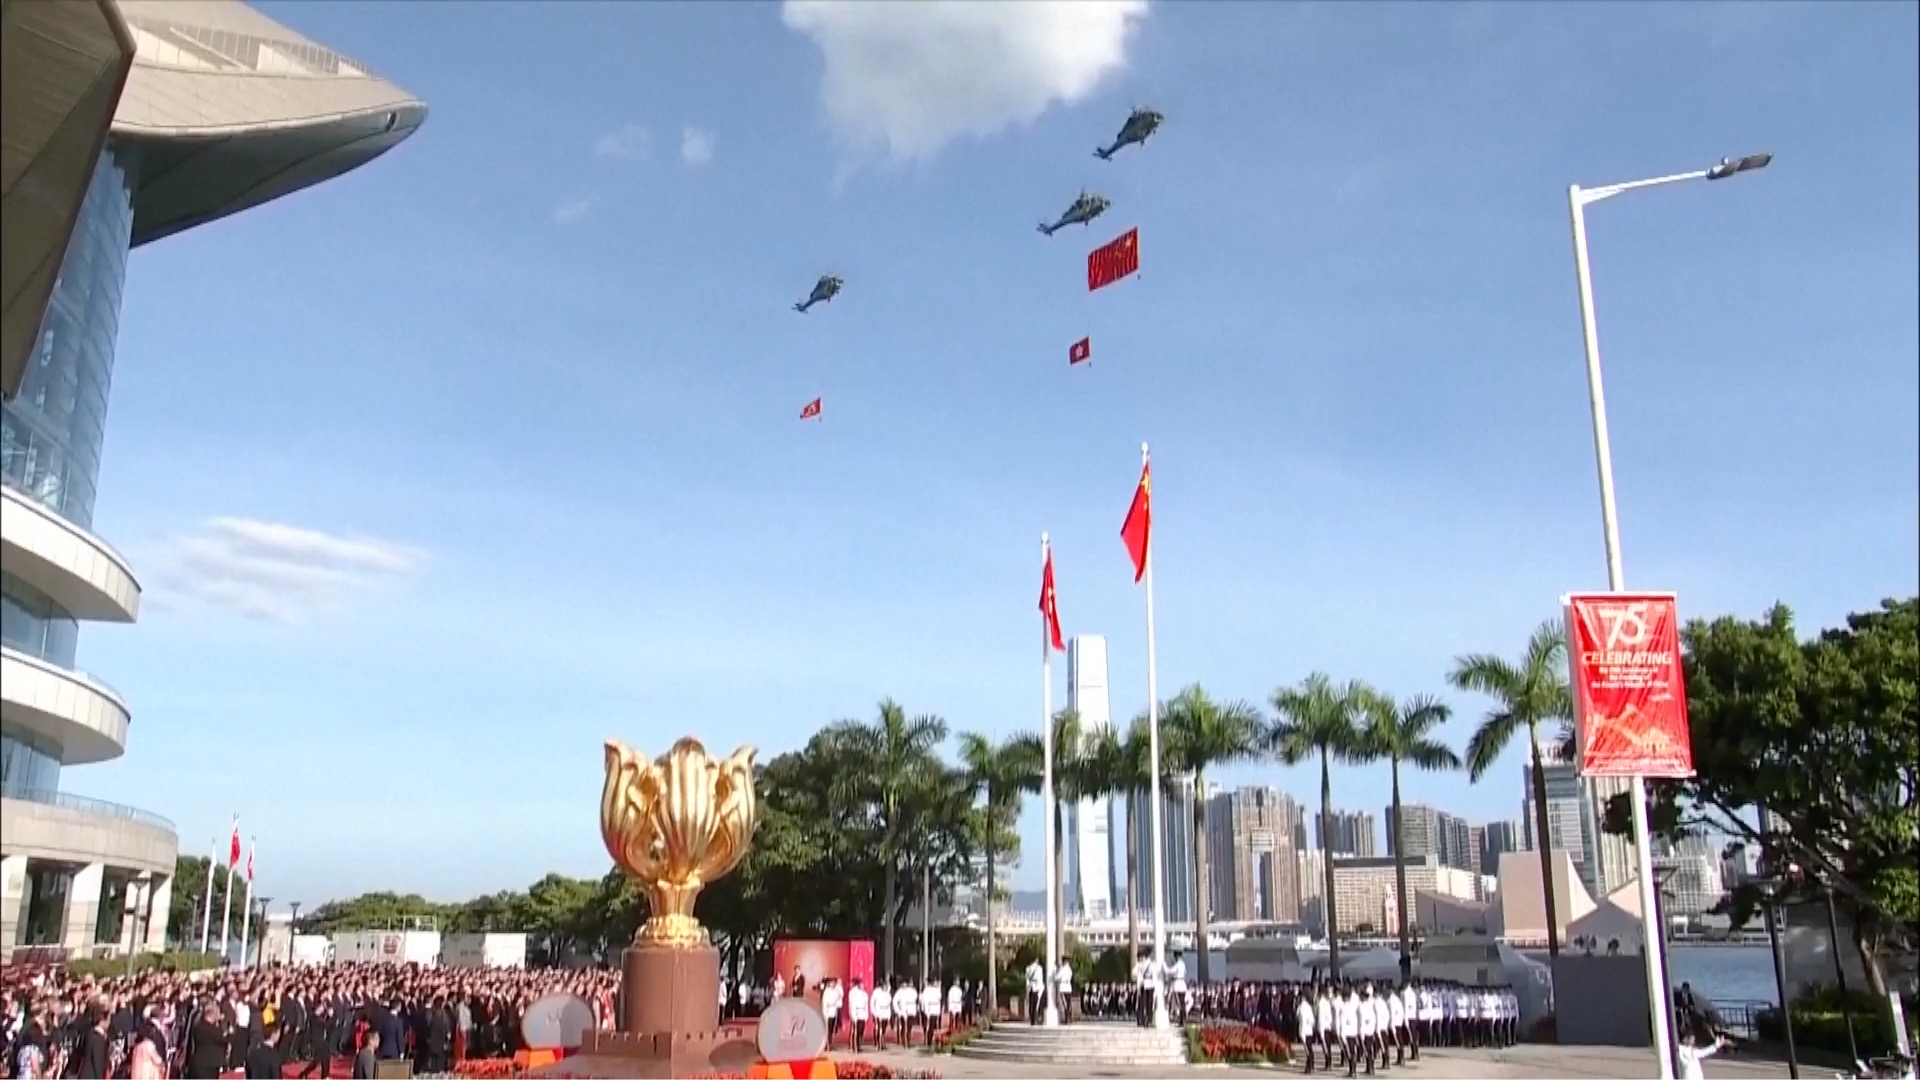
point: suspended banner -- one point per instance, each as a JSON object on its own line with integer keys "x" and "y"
{"x": 1628, "y": 686}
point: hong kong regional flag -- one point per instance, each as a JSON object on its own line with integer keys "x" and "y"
{"x": 1080, "y": 352}
{"x": 1138, "y": 528}
{"x": 1111, "y": 262}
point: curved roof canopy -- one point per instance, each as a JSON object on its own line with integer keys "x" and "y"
{"x": 226, "y": 109}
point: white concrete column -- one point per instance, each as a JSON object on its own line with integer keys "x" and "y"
{"x": 83, "y": 909}
{"x": 162, "y": 892}
{"x": 13, "y": 887}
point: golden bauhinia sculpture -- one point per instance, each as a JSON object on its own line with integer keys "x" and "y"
{"x": 677, "y": 824}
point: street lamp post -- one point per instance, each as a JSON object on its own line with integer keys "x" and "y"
{"x": 293, "y": 928}
{"x": 1578, "y": 199}
{"x": 134, "y": 888}
{"x": 259, "y": 954}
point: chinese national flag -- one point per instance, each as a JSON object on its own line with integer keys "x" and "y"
{"x": 1111, "y": 262}
{"x": 250, "y": 852}
{"x": 1050, "y": 607}
{"x": 811, "y": 412}
{"x": 1138, "y": 527}
{"x": 233, "y": 846}
{"x": 1080, "y": 352}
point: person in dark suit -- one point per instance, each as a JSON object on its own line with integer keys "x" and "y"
{"x": 207, "y": 1043}
{"x": 91, "y": 1059}
{"x": 437, "y": 1041}
{"x": 265, "y": 1061}
{"x": 366, "y": 1063}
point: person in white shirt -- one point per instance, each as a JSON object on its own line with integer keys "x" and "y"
{"x": 1328, "y": 1030}
{"x": 1511, "y": 1030}
{"x": 1307, "y": 1032}
{"x": 1177, "y": 985}
{"x": 1147, "y": 977}
{"x": 831, "y": 997}
{"x": 857, "y": 1014}
{"x": 779, "y": 986}
{"x": 1692, "y": 1055}
{"x": 1489, "y": 1006}
{"x": 1036, "y": 989}
{"x": 930, "y": 1007}
{"x": 1397, "y": 1025}
{"x": 1382, "y": 1023}
{"x": 1348, "y": 1010}
{"x": 1410, "y": 1013}
{"x": 906, "y": 1009}
{"x": 882, "y": 1004}
{"x": 956, "y": 1005}
{"x": 1063, "y": 991}
{"x": 1460, "y": 1016}
{"x": 1430, "y": 1014}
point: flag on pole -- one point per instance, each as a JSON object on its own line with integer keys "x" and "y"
{"x": 1050, "y": 607}
{"x": 233, "y": 845}
{"x": 1080, "y": 352}
{"x": 1112, "y": 261}
{"x": 1138, "y": 528}
{"x": 811, "y": 411}
{"x": 251, "y": 848}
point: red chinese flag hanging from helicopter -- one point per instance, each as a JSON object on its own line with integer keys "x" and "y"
{"x": 1111, "y": 262}
{"x": 1080, "y": 352}
{"x": 1629, "y": 689}
{"x": 811, "y": 411}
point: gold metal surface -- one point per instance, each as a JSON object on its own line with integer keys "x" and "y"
{"x": 675, "y": 825}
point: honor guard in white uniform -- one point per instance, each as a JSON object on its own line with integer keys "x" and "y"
{"x": 1036, "y": 991}
{"x": 831, "y": 998}
{"x": 1397, "y": 1024}
{"x": 1328, "y": 1027}
{"x": 930, "y": 1007}
{"x": 906, "y": 1008}
{"x": 857, "y": 1014}
{"x": 882, "y": 1015}
{"x": 1306, "y": 1029}
{"x": 1177, "y": 984}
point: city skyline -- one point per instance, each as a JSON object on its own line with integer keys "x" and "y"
{"x": 559, "y": 491}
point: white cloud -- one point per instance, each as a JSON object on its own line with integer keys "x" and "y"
{"x": 272, "y": 572}
{"x": 696, "y": 147}
{"x": 906, "y": 79}
{"x": 573, "y": 211}
{"x": 630, "y": 143}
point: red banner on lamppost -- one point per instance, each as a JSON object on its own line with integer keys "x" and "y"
{"x": 1629, "y": 690}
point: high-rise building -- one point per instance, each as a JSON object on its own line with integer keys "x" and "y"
{"x": 221, "y": 109}
{"x": 1614, "y": 861}
{"x": 1250, "y": 855}
{"x": 1364, "y": 890}
{"x": 1570, "y": 825}
{"x": 1433, "y": 833}
{"x": 1177, "y": 839}
{"x": 1353, "y": 833}
{"x": 1090, "y": 887}
{"x": 1499, "y": 838}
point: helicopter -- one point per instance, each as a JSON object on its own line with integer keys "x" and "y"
{"x": 1084, "y": 209}
{"x": 1140, "y": 126}
{"x": 824, "y": 290}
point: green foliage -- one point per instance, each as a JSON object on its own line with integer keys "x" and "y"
{"x": 189, "y": 892}
{"x": 165, "y": 961}
{"x": 1824, "y": 734}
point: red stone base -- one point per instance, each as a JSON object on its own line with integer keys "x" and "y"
{"x": 654, "y": 1057}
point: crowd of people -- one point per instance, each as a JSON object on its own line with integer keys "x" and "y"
{"x": 206, "y": 1024}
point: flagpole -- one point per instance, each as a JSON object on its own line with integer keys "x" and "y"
{"x": 206, "y": 908}
{"x": 226, "y": 914}
{"x": 246, "y": 916}
{"x": 1051, "y": 1017}
{"x": 1160, "y": 1019}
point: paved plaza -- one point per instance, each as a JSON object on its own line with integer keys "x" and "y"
{"x": 1530, "y": 1062}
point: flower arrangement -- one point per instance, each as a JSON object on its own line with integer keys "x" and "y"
{"x": 1235, "y": 1044}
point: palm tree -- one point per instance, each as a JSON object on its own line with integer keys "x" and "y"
{"x": 1118, "y": 767}
{"x": 1202, "y": 734}
{"x": 1526, "y": 695}
{"x": 891, "y": 757}
{"x": 1317, "y": 719}
{"x": 999, "y": 772}
{"x": 1396, "y": 734}
{"x": 1068, "y": 788}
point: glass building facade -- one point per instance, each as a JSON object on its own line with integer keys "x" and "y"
{"x": 51, "y": 433}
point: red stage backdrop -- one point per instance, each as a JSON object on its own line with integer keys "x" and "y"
{"x": 817, "y": 960}
{"x": 1629, "y": 690}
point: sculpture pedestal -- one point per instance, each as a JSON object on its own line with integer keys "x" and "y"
{"x": 669, "y": 1022}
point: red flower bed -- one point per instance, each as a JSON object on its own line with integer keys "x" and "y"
{"x": 945, "y": 1042}
{"x": 487, "y": 1069}
{"x": 1233, "y": 1043}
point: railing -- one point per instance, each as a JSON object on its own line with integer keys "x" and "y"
{"x": 87, "y": 806}
{"x": 1741, "y": 1016}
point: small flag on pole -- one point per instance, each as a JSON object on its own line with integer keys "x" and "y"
{"x": 1137, "y": 530}
{"x": 250, "y": 850}
{"x": 233, "y": 845}
{"x": 1049, "y": 606}
{"x": 812, "y": 410}
{"x": 1081, "y": 352}
{"x": 1111, "y": 262}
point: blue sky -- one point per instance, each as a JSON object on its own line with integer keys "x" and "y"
{"x": 530, "y": 383}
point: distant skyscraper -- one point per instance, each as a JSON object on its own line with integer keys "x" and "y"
{"x": 1250, "y": 855}
{"x": 1613, "y": 855}
{"x": 1089, "y": 885}
{"x": 1501, "y": 837}
{"x": 1176, "y": 830}
{"x": 1570, "y": 825}
{"x": 1353, "y": 833}
{"x": 1434, "y": 833}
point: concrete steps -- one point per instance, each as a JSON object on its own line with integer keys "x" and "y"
{"x": 1092, "y": 1043}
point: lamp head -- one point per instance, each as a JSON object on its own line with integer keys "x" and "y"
{"x": 1736, "y": 166}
